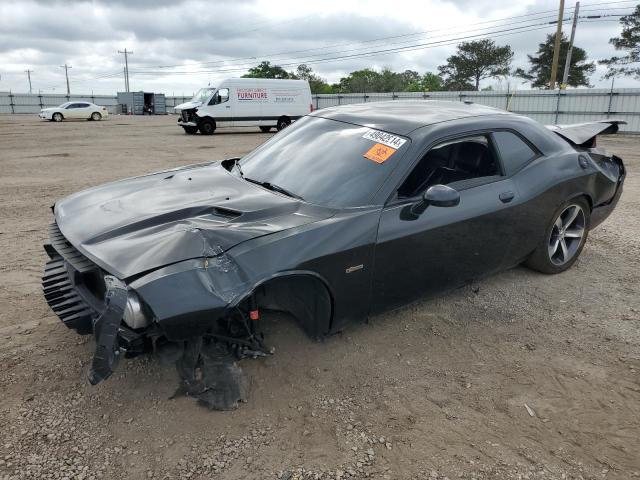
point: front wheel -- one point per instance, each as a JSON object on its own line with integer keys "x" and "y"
{"x": 563, "y": 239}
{"x": 95, "y": 116}
{"x": 190, "y": 130}
{"x": 207, "y": 126}
{"x": 57, "y": 117}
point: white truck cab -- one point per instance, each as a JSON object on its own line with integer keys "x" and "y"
{"x": 246, "y": 102}
{"x": 201, "y": 96}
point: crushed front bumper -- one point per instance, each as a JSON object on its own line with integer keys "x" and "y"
{"x": 88, "y": 301}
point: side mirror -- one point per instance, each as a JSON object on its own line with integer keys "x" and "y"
{"x": 438, "y": 196}
{"x": 441, "y": 196}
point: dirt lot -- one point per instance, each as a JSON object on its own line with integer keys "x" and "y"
{"x": 435, "y": 390}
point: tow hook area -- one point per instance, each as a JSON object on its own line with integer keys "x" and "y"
{"x": 106, "y": 328}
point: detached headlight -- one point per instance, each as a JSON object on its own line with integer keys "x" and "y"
{"x": 134, "y": 316}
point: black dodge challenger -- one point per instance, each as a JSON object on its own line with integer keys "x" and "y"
{"x": 348, "y": 212}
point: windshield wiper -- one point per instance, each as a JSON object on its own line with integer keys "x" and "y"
{"x": 275, "y": 188}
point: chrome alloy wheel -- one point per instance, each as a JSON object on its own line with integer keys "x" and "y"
{"x": 567, "y": 234}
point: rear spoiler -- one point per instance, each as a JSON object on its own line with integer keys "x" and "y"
{"x": 584, "y": 134}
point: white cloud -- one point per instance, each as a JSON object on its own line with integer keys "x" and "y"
{"x": 42, "y": 35}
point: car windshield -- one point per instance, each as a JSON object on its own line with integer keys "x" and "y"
{"x": 326, "y": 162}
{"x": 65, "y": 105}
{"x": 202, "y": 95}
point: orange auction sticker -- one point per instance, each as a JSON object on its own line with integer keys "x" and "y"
{"x": 379, "y": 153}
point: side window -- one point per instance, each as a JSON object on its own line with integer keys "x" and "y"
{"x": 514, "y": 152}
{"x": 221, "y": 96}
{"x": 82, "y": 105}
{"x": 71, "y": 106}
{"x": 452, "y": 161}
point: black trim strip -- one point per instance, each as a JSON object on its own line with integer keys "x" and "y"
{"x": 251, "y": 119}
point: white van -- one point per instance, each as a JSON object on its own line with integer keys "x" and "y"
{"x": 249, "y": 102}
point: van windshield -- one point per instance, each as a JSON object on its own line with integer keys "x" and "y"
{"x": 203, "y": 94}
{"x": 325, "y": 162}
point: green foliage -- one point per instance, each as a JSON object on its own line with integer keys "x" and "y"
{"x": 266, "y": 70}
{"x": 303, "y": 72}
{"x": 473, "y": 62}
{"x": 539, "y": 73}
{"x": 317, "y": 84}
{"x": 369, "y": 80}
{"x": 629, "y": 42}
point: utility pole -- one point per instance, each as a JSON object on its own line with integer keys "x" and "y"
{"x": 567, "y": 63}
{"x": 66, "y": 74}
{"x": 29, "y": 77}
{"x": 126, "y": 67}
{"x": 556, "y": 47}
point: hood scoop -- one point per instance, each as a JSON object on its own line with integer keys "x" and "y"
{"x": 220, "y": 214}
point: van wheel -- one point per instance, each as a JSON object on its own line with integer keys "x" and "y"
{"x": 190, "y": 130}
{"x": 284, "y": 122}
{"x": 207, "y": 126}
{"x": 265, "y": 129}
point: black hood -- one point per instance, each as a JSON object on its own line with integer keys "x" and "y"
{"x": 143, "y": 223}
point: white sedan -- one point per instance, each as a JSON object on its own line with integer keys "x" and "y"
{"x": 74, "y": 110}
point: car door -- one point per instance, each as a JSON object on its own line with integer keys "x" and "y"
{"x": 444, "y": 247}
{"x": 72, "y": 110}
{"x": 84, "y": 110}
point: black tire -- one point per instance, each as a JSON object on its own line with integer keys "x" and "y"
{"x": 57, "y": 117}
{"x": 95, "y": 116}
{"x": 543, "y": 259}
{"x": 190, "y": 130}
{"x": 283, "y": 123}
{"x": 207, "y": 126}
{"x": 265, "y": 129}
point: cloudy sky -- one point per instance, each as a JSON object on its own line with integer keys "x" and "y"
{"x": 179, "y": 46}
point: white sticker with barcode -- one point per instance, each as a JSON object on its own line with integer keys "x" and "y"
{"x": 388, "y": 139}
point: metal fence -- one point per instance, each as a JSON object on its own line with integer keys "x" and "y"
{"x": 548, "y": 107}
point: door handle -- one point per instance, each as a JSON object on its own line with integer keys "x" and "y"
{"x": 506, "y": 197}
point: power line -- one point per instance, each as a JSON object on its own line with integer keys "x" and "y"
{"x": 419, "y": 46}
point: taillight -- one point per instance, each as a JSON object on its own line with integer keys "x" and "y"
{"x": 104, "y": 109}
{"x": 311, "y": 107}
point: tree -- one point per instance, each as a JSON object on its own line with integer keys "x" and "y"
{"x": 429, "y": 82}
{"x": 366, "y": 80}
{"x": 629, "y": 41}
{"x": 317, "y": 84}
{"x": 475, "y": 61}
{"x": 540, "y": 71}
{"x": 266, "y": 70}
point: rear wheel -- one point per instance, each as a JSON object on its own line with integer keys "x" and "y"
{"x": 283, "y": 122}
{"x": 265, "y": 129}
{"x": 95, "y": 116}
{"x": 207, "y": 126}
{"x": 57, "y": 117}
{"x": 190, "y": 130}
{"x": 563, "y": 239}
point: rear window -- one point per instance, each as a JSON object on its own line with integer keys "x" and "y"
{"x": 514, "y": 151}
{"x": 327, "y": 162}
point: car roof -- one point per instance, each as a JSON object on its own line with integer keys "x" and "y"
{"x": 404, "y": 116}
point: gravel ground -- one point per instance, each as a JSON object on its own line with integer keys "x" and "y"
{"x": 439, "y": 389}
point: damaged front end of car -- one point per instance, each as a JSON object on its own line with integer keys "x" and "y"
{"x": 204, "y": 339}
